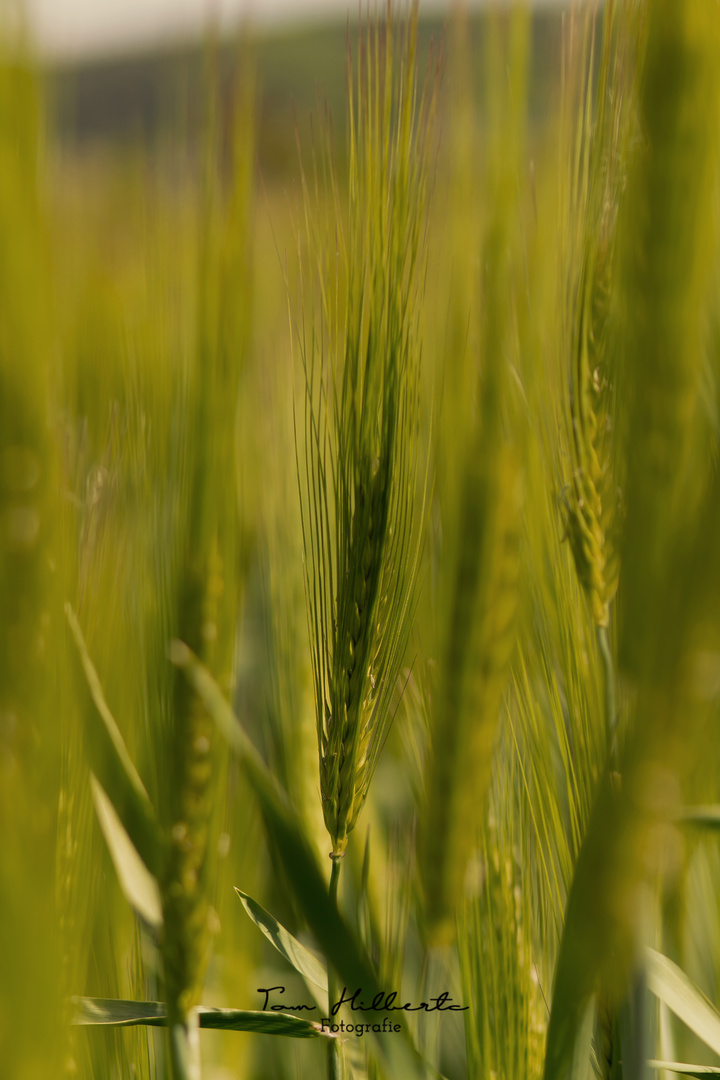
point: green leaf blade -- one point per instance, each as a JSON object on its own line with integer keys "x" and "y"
{"x": 671, "y": 985}
{"x": 140, "y": 888}
{"x": 682, "y": 1069}
{"x": 263, "y": 1023}
{"x": 112, "y": 1012}
{"x": 288, "y": 946}
{"x": 702, "y": 817}
{"x": 112, "y": 763}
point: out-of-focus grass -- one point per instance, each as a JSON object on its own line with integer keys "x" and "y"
{"x": 32, "y": 579}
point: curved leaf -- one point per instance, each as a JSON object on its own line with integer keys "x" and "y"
{"x": 140, "y": 888}
{"x": 112, "y": 763}
{"x": 288, "y": 946}
{"x": 669, "y": 983}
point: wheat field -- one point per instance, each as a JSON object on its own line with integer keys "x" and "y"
{"x": 359, "y": 575}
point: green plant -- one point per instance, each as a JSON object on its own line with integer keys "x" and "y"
{"x": 357, "y": 465}
{"x": 506, "y": 722}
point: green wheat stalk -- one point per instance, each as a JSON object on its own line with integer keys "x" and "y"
{"x": 357, "y": 467}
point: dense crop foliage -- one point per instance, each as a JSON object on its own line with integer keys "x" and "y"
{"x": 372, "y": 518}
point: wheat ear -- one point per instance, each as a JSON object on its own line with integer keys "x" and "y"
{"x": 593, "y": 508}
{"x": 357, "y": 488}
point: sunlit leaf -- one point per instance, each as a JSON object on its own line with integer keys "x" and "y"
{"x": 289, "y": 947}
{"x": 137, "y": 883}
{"x": 113, "y": 765}
{"x": 669, "y": 983}
{"x": 264, "y": 1023}
{"x": 110, "y": 1012}
{"x": 118, "y": 1013}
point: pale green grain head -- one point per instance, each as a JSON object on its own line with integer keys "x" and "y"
{"x": 600, "y": 144}
{"x": 358, "y": 466}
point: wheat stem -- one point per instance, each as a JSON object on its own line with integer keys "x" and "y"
{"x": 185, "y": 1048}
{"x": 334, "y": 1053}
{"x": 606, "y": 1010}
{"x": 609, "y": 675}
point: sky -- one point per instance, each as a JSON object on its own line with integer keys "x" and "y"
{"x": 96, "y": 27}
